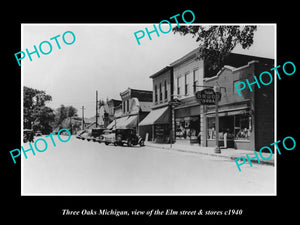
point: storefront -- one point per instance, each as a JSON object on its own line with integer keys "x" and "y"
{"x": 235, "y": 128}
{"x": 187, "y": 124}
{"x": 159, "y": 121}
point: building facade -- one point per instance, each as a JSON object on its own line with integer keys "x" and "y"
{"x": 159, "y": 119}
{"x": 107, "y": 112}
{"x": 247, "y": 121}
{"x": 135, "y": 106}
{"x": 188, "y": 72}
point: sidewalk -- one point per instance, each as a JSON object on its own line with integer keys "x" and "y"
{"x": 229, "y": 153}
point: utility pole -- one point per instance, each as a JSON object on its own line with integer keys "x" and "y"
{"x": 96, "y": 109}
{"x": 82, "y": 113}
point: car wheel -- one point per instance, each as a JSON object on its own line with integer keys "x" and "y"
{"x": 129, "y": 144}
{"x": 142, "y": 143}
{"x": 107, "y": 143}
{"x": 115, "y": 144}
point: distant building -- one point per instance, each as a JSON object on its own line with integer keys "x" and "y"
{"x": 136, "y": 104}
{"x": 107, "y": 112}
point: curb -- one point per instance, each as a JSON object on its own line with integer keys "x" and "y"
{"x": 265, "y": 162}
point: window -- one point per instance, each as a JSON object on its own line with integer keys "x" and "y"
{"x": 123, "y": 106}
{"x": 186, "y": 84}
{"x": 237, "y": 127}
{"x": 195, "y": 79}
{"x": 128, "y": 105}
{"x": 160, "y": 92}
{"x": 166, "y": 90}
{"x": 178, "y": 86}
{"x": 242, "y": 127}
{"x": 155, "y": 93}
{"x": 187, "y": 127}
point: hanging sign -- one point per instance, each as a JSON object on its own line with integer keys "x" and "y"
{"x": 207, "y": 96}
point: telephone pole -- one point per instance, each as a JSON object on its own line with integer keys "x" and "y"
{"x": 96, "y": 109}
{"x": 82, "y": 113}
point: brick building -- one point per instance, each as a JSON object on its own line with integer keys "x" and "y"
{"x": 135, "y": 106}
{"x": 248, "y": 120}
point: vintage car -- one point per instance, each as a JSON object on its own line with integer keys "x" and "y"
{"x": 96, "y": 134}
{"x": 79, "y": 133}
{"x": 108, "y": 137}
{"x": 28, "y": 135}
{"x": 86, "y": 135}
{"x": 128, "y": 137}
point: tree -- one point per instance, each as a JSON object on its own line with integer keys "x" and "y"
{"x": 63, "y": 117}
{"x": 216, "y": 42}
{"x": 37, "y": 115}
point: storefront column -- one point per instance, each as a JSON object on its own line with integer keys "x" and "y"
{"x": 203, "y": 125}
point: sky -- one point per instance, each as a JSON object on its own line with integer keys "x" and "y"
{"x": 107, "y": 58}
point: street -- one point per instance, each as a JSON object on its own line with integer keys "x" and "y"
{"x": 80, "y": 167}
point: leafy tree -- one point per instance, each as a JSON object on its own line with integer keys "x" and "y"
{"x": 36, "y": 114}
{"x": 63, "y": 117}
{"x": 216, "y": 42}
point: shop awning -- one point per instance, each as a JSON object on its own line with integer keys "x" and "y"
{"x": 156, "y": 116}
{"x": 130, "y": 122}
{"x": 117, "y": 122}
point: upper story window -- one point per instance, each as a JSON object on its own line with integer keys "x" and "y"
{"x": 160, "y": 92}
{"x": 186, "y": 84}
{"x": 166, "y": 90}
{"x": 123, "y": 106}
{"x": 178, "y": 85}
{"x": 195, "y": 79}
{"x": 155, "y": 94}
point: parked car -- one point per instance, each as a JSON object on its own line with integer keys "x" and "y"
{"x": 96, "y": 133}
{"x": 28, "y": 135}
{"x": 86, "y": 135}
{"x": 108, "y": 137}
{"x": 79, "y": 133}
{"x": 128, "y": 137}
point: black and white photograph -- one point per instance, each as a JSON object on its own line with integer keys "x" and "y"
{"x": 149, "y": 113}
{"x": 162, "y": 109}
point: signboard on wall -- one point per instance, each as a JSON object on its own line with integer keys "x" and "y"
{"x": 207, "y": 96}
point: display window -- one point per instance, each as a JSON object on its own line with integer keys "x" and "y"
{"x": 237, "y": 127}
{"x": 187, "y": 127}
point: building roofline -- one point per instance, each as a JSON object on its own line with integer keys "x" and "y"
{"x": 185, "y": 57}
{"x": 233, "y": 69}
{"x": 160, "y": 72}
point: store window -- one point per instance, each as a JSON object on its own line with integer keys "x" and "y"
{"x": 242, "y": 127}
{"x": 187, "y": 127}
{"x": 237, "y": 127}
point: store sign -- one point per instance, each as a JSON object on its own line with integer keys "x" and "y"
{"x": 207, "y": 96}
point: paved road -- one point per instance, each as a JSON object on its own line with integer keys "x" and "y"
{"x": 81, "y": 167}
